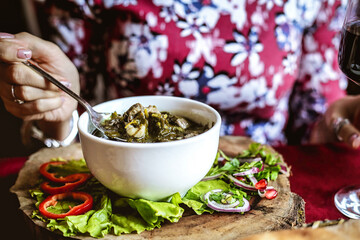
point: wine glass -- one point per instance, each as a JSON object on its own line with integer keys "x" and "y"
{"x": 347, "y": 200}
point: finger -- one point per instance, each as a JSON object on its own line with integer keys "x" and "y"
{"x": 34, "y": 110}
{"x": 25, "y": 46}
{"x": 22, "y": 46}
{"x": 350, "y": 135}
{"x": 20, "y": 74}
{"x": 27, "y": 93}
{"x": 13, "y": 50}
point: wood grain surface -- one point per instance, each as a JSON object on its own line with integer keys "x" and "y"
{"x": 284, "y": 212}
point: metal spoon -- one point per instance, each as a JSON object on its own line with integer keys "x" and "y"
{"x": 96, "y": 117}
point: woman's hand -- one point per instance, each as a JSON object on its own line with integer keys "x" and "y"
{"x": 39, "y": 99}
{"x": 341, "y": 122}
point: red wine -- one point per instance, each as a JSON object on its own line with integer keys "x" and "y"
{"x": 349, "y": 52}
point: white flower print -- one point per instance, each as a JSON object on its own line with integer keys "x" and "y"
{"x": 310, "y": 44}
{"x": 271, "y": 131}
{"x": 186, "y": 77}
{"x": 166, "y": 3}
{"x": 204, "y": 47}
{"x": 257, "y": 94}
{"x": 143, "y": 50}
{"x": 338, "y": 19}
{"x": 288, "y": 37}
{"x": 290, "y": 63}
{"x": 236, "y": 9}
{"x": 256, "y": 67}
{"x": 72, "y": 31}
{"x": 227, "y": 96}
{"x": 184, "y": 72}
{"x": 303, "y": 12}
{"x": 243, "y": 48}
{"x": 111, "y": 3}
{"x": 258, "y": 18}
{"x": 192, "y": 26}
{"x": 209, "y": 16}
{"x": 168, "y": 13}
{"x": 320, "y": 71}
{"x": 270, "y": 3}
{"x": 165, "y": 89}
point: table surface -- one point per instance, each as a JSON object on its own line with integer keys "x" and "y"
{"x": 318, "y": 172}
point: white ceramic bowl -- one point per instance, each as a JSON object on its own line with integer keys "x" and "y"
{"x": 152, "y": 171}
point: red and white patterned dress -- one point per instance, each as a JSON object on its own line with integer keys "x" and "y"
{"x": 268, "y": 66}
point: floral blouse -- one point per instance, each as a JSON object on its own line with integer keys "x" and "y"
{"x": 268, "y": 66}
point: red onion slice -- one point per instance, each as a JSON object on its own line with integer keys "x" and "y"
{"x": 263, "y": 192}
{"x": 284, "y": 169}
{"x": 225, "y": 207}
{"x": 253, "y": 180}
{"x": 241, "y": 184}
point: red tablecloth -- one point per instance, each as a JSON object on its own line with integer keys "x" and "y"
{"x": 318, "y": 171}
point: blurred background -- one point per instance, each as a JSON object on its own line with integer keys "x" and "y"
{"x": 15, "y": 16}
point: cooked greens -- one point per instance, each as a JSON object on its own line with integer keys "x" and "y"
{"x": 148, "y": 124}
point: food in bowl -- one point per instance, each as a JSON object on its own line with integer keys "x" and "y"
{"x": 148, "y": 124}
{"x": 152, "y": 171}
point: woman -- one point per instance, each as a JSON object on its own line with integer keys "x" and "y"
{"x": 269, "y": 67}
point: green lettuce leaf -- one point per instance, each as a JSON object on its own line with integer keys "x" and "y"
{"x": 192, "y": 199}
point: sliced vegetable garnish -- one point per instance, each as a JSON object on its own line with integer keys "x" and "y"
{"x": 271, "y": 193}
{"x": 252, "y": 170}
{"x": 74, "y": 181}
{"x": 241, "y": 183}
{"x": 44, "y": 170}
{"x": 51, "y": 201}
{"x": 261, "y": 185}
{"x": 225, "y": 202}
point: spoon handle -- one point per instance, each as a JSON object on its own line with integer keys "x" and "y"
{"x": 43, "y": 73}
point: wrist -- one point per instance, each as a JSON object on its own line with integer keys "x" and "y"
{"x": 55, "y": 130}
{"x": 52, "y": 134}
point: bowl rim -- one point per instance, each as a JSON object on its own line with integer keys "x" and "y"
{"x": 83, "y": 129}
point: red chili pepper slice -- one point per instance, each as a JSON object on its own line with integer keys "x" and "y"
{"x": 52, "y": 176}
{"x": 76, "y": 210}
{"x": 73, "y": 181}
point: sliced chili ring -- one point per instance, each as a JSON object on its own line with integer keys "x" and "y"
{"x": 52, "y": 176}
{"x": 74, "y": 181}
{"x": 52, "y": 200}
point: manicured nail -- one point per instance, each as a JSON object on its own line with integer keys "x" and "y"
{"x": 66, "y": 84}
{"x": 355, "y": 140}
{"x": 6, "y": 35}
{"x": 24, "y": 54}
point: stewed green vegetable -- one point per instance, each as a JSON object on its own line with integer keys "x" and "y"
{"x": 148, "y": 124}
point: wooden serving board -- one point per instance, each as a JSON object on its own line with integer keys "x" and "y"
{"x": 284, "y": 212}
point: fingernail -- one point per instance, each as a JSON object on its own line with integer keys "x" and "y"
{"x": 24, "y": 54}
{"x": 6, "y": 35}
{"x": 66, "y": 84}
{"x": 355, "y": 140}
